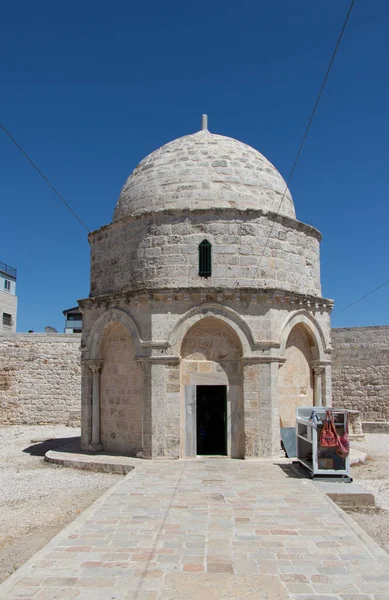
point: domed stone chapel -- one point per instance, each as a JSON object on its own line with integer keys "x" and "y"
{"x": 205, "y": 326}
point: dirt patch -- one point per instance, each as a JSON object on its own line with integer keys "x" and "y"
{"x": 375, "y": 521}
{"x": 14, "y": 552}
{"x": 374, "y": 467}
{"x": 373, "y": 475}
{"x": 38, "y": 499}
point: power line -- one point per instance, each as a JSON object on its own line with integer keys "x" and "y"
{"x": 306, "y": 130}
{"x": 361, "y": 298}
{"x": 43, "y": 177}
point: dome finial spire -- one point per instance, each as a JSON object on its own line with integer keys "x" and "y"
{"x": 204, "y": 122}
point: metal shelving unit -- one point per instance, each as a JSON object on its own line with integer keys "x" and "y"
{"x": 321, "y": 462}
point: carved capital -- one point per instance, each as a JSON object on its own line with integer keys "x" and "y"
{"x": 318, "y": 367}
{"x": 95, "y": 365}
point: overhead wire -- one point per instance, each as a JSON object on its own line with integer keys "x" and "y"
{"x": 361, "y": 298}
{"x": 43, "y": 177}
{"x": 306, "y": 132}
{"x": 8, "y": 134}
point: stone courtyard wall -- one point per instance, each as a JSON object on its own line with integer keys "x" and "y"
{"x": 40, "y": 379}
{"x": 40, "y": 375}
{"x": 360, "y": 371}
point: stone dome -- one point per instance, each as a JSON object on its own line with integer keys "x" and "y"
{"x": 204, "y": 171}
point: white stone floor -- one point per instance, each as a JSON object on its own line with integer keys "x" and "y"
{"x": 207, "y": 529}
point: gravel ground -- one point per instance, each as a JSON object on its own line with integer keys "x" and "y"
{"x": 373, "y": 475}
{"x": 38, "y": 499}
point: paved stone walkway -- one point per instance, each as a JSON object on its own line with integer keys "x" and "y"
{"x": 210, "y": 530}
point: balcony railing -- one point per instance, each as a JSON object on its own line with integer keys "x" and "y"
{"x": 73, "y": 324}
{"x": 8, "y": 270}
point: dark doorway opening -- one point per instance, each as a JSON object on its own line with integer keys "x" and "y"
{"x": 211, "y": 417}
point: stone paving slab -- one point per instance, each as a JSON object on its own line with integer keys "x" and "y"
{"x": 347, "y": 495}
{"x": 207, "y": 529}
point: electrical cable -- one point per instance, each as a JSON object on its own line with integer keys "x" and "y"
{"x": 361, "y": 298}
{"x": 44, "y": 177}
{"x": 306, "y": 131}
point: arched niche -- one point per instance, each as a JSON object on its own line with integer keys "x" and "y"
{"x": 211, "y": 358}
{"x": 225, "y": 314}
{"x": 103, "y": 323}
{"x": 312, "y": 328}
{"x": 296, "y": 377}
{"x": 121, "y": 392}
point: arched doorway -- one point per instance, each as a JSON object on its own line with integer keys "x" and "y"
{"x": 212, "y": 396}
{"x": 296, "y": 377}
{"x": 121, "y": 390}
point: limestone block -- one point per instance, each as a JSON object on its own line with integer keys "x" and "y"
{"x": 361, "y": 371}
{"x": 126, "y": 256}
{"x": 40, "y": 379}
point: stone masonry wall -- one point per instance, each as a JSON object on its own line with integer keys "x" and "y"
{"x": 40, "y": 375}
{"x": 161, "y": 251}
{"x": 40, "y": 378}
{"x": 121, "y": 391}
{"x": 360, "y": 371}
{"x": 295, "y": 377}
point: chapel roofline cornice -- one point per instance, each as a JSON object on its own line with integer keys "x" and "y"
{"x": 249, "y": 295}
{"x": 180, "y": 213}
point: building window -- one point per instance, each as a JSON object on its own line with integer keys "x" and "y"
{"x": 205, "y": 259}
{"x": 7, "y": 319}
{"x": 74, "y": 316}
{"x": 7, "y": 285}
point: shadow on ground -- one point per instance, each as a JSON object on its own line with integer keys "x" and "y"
{"x": 41, "y": 448}
{"x": 294, "y": 471}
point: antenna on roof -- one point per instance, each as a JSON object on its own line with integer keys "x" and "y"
{"x": 204, "y": 122}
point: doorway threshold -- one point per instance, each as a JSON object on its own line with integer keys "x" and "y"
{"x": 212, "y": 456}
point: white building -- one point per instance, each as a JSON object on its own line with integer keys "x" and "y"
{"x": 8, "y": 298}
{"x": 73, "y": 320}
{"x": 205, "y": 326}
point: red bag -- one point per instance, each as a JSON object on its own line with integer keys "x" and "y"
{"x": 343, "y": 447}
{"x": 328, "y": 437}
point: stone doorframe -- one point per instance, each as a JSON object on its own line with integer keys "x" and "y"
{"x": 228, "y": 373}
{"x": 235, "y": 413}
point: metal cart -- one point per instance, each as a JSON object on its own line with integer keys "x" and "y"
{"x": 321, "y": 462}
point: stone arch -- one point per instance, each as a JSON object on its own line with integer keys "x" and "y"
{"x": 296, "y": 375}
{"x": 312, "y": 328}
{"x": 121, "y": 391}
{"x": 211, "y": 352}
{"x": 212, "y": 309}
{"x": 96, "y": 335}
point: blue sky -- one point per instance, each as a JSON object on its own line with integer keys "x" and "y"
{"x": 88, "y": 89}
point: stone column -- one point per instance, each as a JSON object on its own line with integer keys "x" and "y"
{"x": 161, "y": 408}
{"x": 318, "y": 370}
{"x": 86, "y": 404}
{"x": 261, "y": 407}
{"x": 269, "y": 416}
{"x": 327, "y": 385}
{"x": 95, "y": 366}
{"x": 251, "y": 409}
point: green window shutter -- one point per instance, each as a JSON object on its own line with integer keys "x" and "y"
{"x": 205, "y": 259}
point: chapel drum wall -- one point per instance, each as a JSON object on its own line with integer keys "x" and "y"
{"x": 161, "y": 251}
